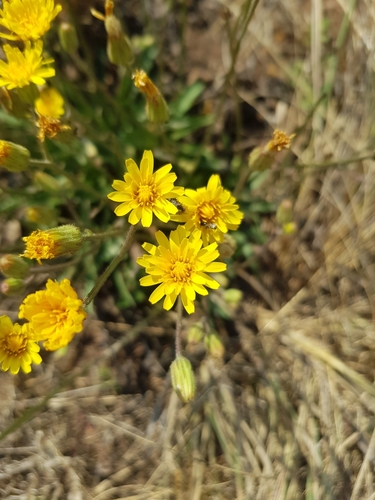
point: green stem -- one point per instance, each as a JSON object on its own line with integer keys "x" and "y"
{"x": 88, "y": 236}
{"x": 179, "y": 328}
{"x": 112, "y": 266}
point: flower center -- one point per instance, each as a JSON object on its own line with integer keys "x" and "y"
{"x": 208, "y": 213}
{"x": 58, "y": 316}
{"x": 181, "y": 270}
{"x": 15, "y": 344}
{"x": 146, "y": 194}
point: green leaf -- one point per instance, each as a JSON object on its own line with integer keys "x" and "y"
{"x": 187, "y": 99}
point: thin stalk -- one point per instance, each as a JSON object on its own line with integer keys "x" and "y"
{"x": 112, "y": 266}
{"x": 102, "y": 236}
{"x": 179, "y": 328}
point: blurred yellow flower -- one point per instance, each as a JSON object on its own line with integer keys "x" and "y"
{"x": 279, "y": 141}
{"x": 25, "y": 67}
{"x": 27, "y": 19}
{"x": 179, "y": 265}
{"x": 17, "y": 348}
{"x": 50, "y": 103}
{"x": 211, "y": 210}
{"x": 55, "y": 314}
{"x": 145, "y": 193}
{"x": 51, "y": 128}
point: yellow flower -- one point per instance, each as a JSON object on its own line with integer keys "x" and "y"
{"x": 50, "y": 103}
{"x": 17, "y": 348}
{"x": 145, "y": 193}
{"x": 55, "y": 314}
{"x": 179, "y": 266}
{"x": 52, "y": 127}
{"x": 27, "y": 19}
{"x": 279, "y": 141}
{"x": 25, "y": 67}
{"x": 212, "y": 210}
{"x": 52, "y": 243}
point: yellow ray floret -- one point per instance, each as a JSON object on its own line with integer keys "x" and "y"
{"x": 55, "y": 314}
{"x": 179, "y": 266}
{"x": 145, "y": 193}
{"x": 25, "y": 67}
{"x": 17, "y": 347}
{"x": 50, "y": 103}
{"x": 211, "y": 210}
{"x": 27, "y": 19}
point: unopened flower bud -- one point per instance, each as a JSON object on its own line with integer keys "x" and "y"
{"x": 227, "y": 247}
{"x": 14, "y": 157}
{"x": 183, "y": 380}
{"x": 40, "y": 215}
{"x": 156, "y": 107}
{"x": 284, "y": 213}
{"x": 52, "y": 243}
{"x": 214, "y": 345}
{"x": 47, "y": 182}
{"x": 260, "y": 161}
{"x": 13, "y": 266}
{"x": 232, "y": 296}
{"x": 12, "y": 286}
{"x": 195, "y": 333}
{"x": 119, "y": 50}
{"x": 68, "y": 38}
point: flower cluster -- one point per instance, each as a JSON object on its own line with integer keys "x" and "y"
{"x": 54, "y": 316}
{"x": 178, "y": 264}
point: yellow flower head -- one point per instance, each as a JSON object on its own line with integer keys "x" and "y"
{"x": 179, "y": 265}
{"x": 25, "y": 67}
{"x": 50, "y": 103}
{"x": 55, "y": 314}
{"x": 27, "y": 19}
{"x": 156, "y": 107}
{"x": 51, "y": 127}
{"x": 212, "y": 210}
{"x": 145, "y": 193}
{"x": 52, "y": 243}
{"x": 145, "y": 84}
{"x": 279, "y": 141}
{"x": 17, "y": 348}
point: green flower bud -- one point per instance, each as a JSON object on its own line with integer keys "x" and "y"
{"x": 260, "y": 160}
{"x": 227, "y": 247}
{"x": 232, "y": 296}
{"x": 41, "y": 215}
{"x": 47, "y": 182}
{"x": 12, "y": 286}
{"x": 214, "y": 345}
{"x": 195, "y": 333}
{"x": 14, "y": 157}
{"x": 183, "y": 380}
{"x": 284, "y": 213}
{"x": 68, "y": 38}
{"x": 13, "y": 266}
{"x": 119, "y": 50}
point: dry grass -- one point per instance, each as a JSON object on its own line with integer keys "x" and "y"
{"x": 289, "y": 414}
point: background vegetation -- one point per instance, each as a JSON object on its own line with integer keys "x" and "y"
{"x": 286, "y": 410}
